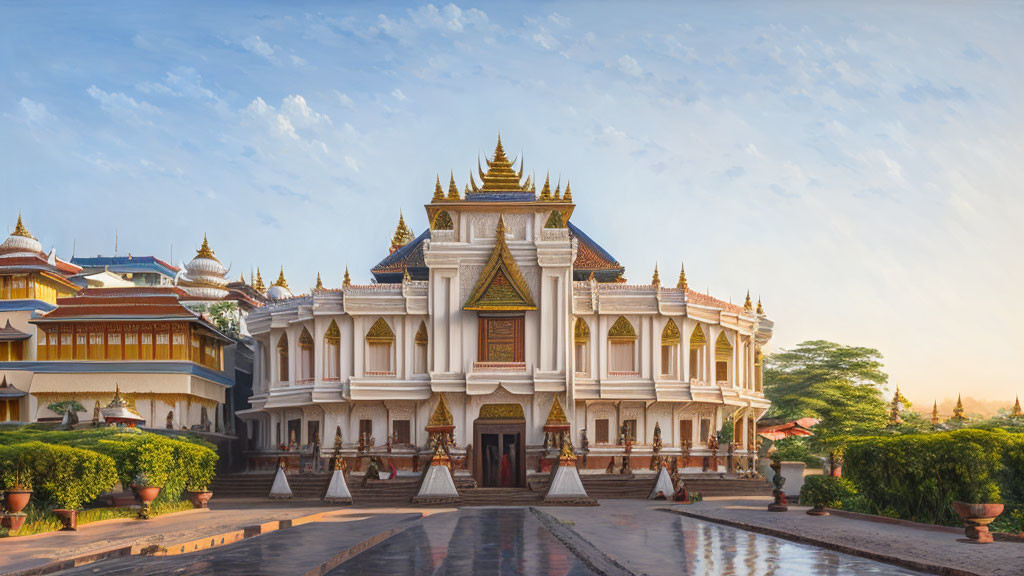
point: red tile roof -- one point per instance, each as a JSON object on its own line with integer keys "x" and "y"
{"x": 702, "y": 299}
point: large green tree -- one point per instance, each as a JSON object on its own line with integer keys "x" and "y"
{"x": 840, "y": 385}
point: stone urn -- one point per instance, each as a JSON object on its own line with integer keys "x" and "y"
{"x": 68, "y": 518}
{"x": 200, "y": 498}
{"x": 147, "y": 494}
{"x": 13, "y": 522}
{"x": 16, "y": 500}
{"x": 977, "y": 517}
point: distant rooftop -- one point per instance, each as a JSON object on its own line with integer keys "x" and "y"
{"x": 128, "y": 264}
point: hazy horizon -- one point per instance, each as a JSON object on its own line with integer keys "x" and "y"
{"x": 856, "y": 166}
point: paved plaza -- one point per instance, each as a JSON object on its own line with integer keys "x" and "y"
{"x": 620, "y": 537}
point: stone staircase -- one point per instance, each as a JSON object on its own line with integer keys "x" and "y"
{"x": 403, "y": 489}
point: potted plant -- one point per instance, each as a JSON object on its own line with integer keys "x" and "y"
{"x": 145, "y": 489}
{"x": 199, "y": 466}
{"x": 825, "y": 492}
{"x": 17, "y": 490}
{"x": 980, "y": 509}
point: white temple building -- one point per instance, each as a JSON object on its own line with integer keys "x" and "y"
{"x": 508, "y": 311}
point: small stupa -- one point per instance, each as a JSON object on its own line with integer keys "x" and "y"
{"x": 438, "y": 486}
{"x": 662, "y": 486}
{"x": 566, "y": 486}
{"x": 281, "y": 489}
{"x": 337, "y": 490}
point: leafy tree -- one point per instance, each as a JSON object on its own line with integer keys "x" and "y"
{"x": 840, "y": 385}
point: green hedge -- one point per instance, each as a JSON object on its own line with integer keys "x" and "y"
{"x": 65, "y": 476}
{"x": 917, "y": 476}
{"x": 827, "y": 491}
{"x": 173, "y": 463}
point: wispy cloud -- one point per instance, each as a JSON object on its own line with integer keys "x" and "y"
{"x": 123, "y": 107}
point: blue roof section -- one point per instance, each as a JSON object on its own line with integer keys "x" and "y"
{"x": 501, "y": 196}
{"x": 122, "y": 367}
{"x": 25, "y": 306}
{"x": 594, "y": 245}
{"x": 408, "y": 257}
{"x": 128, "y": 264}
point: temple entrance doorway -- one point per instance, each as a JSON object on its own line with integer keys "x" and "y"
{"x": 499, "y": 449}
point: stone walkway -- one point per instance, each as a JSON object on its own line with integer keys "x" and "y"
{"x": 18, "y": 554}
{"x": 935, "y": 549}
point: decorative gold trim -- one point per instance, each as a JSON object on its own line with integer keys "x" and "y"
{"x": 333, "y": 333}
{"x": 421, "y": 334}
{"x": 442, "y": 415}
{"x": 670, "y": 335}
{"x": 697, "y": 338}
{"x": 305, "y": 339}
{"x": 581, "y": 333}
{"x": 514, "y": 294}
{"x": 556, "y": 416}
{"x": 502, "y": 412}
{"x": 131, "y": 399}
{"x": 622, "y": 330}
{"x": 380, "y": 333}
{"x": 723, "y": 349}
{"x": 443, "y": 221}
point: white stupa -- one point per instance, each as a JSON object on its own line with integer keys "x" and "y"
{"x": 438, "y": 485}
{"x": 279, "y": 290}
{"x": 204, "y": 277}
{"x": 21, "y": 243}
{"x": 566, "y": 485}
{"x": 280, "y": 489}
{"x": 663, "y": 484}
{"x": 337, "y": 490}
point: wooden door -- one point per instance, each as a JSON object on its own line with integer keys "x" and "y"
{"x": 500, "y": 339}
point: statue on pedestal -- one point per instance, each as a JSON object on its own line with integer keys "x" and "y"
{"x": 780, "y": 504}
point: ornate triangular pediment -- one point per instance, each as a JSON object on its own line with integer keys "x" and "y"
{"x": 501, "y": 286}
{"x": 442, "y": 415}
{"x": 556, "y": 416}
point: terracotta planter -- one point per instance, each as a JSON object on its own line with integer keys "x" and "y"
{"x": 68, "y": 518}
{"x": 200, "y": 499}
{"x": 16, "y": 500}
{"x": 13, "y": 522}
{"x": 977, "y": 517}
{"x": 147, "y": 494}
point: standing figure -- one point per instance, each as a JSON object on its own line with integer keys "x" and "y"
{"x": 506, "y": 469}
{"x": 584, "y": 445}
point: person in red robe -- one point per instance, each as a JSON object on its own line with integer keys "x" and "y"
{"x": 506, "y": 470}
{"x": 394, "y": 471}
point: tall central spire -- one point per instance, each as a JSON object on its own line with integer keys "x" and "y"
{"x": 500, "y": 175}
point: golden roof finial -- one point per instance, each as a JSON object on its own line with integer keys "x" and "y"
{"x": 656, "y": 280}
{"x": 760, "y": 309}
{"x": 558, "y": 190}
{"x": 281, "y": 281}
{"x": 453, "y": 190}
{"x": 1016, "y": 413}
{"x": 20, "y": 230}
{"x": 438, "y": 192}
{"x": 241, "y": 277}
{"x": 681, "y": 284}
{"x": 257, "y": 284}
{"x": 347, "y": 281}
{"x": 568, "y": 192}
{"x": 319, "y": 283}
{"x": 935, "y": 413}
{"x": 545, "y": 192}
{"x": 747, "y": 305}
{"x": 958, "y": 410}
{"x": 204, "y": 250}
{"x": 500, "y": 176}
{"x": 403, "y": 235}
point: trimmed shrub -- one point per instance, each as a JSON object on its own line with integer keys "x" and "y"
{"x": 917, "y": 477}
{"x": 197, "y": 465}
{"x": 62, "y": 475}
{"x": 826, "y": 491}
{"x": 796, "y": 450}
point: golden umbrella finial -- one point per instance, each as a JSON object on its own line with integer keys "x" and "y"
{"x": 347, "y": 281}
{"x": 545, "y": 192}
{"x": 656, "y": 280}
{"x": 760, "y": 309}
{"x": 204, "y": 250}
{"x": 568, "y": 192}
{"x": 747, "y": 305}
{"x": 281, "y": 281}
{"x": 319, "y": 283}
{"x": 257, "y": 284}
{"x": 681, "y": 284}
{"x": 453, "y": 190}
{"x": 20, "y": 230}
{"x": 438, "y": 192}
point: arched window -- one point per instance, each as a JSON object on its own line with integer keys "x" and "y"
{"x": 332, "y": 352}
{"x": 581, "y": 338}
{"x": 282, "y": 358}
{"x": 669, "y": 348}
{"x": 420, "y": 359}
{"x": 380, "y": 342}
{"x": 306, "y": 356}
{"x": 697, "y": 343}
{"x": 723, "y": 359}
{"x": 622, "y": 348}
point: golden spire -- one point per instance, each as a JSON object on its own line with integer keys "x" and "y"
{"x": 319, "y": 283}
{"x": 760, "y": 309}
{"x": 257, "y": 284}
{"x": 438, "y": 192}
{"x": 656, "y": 280}
{"x": 568, "y": 192}
{"x": 241, "y": 277}
{"x": 894, "y": 407}
{"x": 747, "y": 306}
{"x": 347, "y": 281}
{"x": 204, "y": 250}
{"x": 935, "y": 413}
{"x": 681, "y": 284}
{"x": 545, "y": 192}
{"x": 1016, "y": 409}
{"x": 500, "y": 176}
{"x": 403, "y": 235}
{"x": 20, "y": 230}
{"x": 281, "y": 281}
{"x": 558, "y": 190}
{"x": 958, "y": 410}
{"x": 453, "y": 190}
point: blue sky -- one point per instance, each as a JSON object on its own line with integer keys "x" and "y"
{"x": 859, "y": 167}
